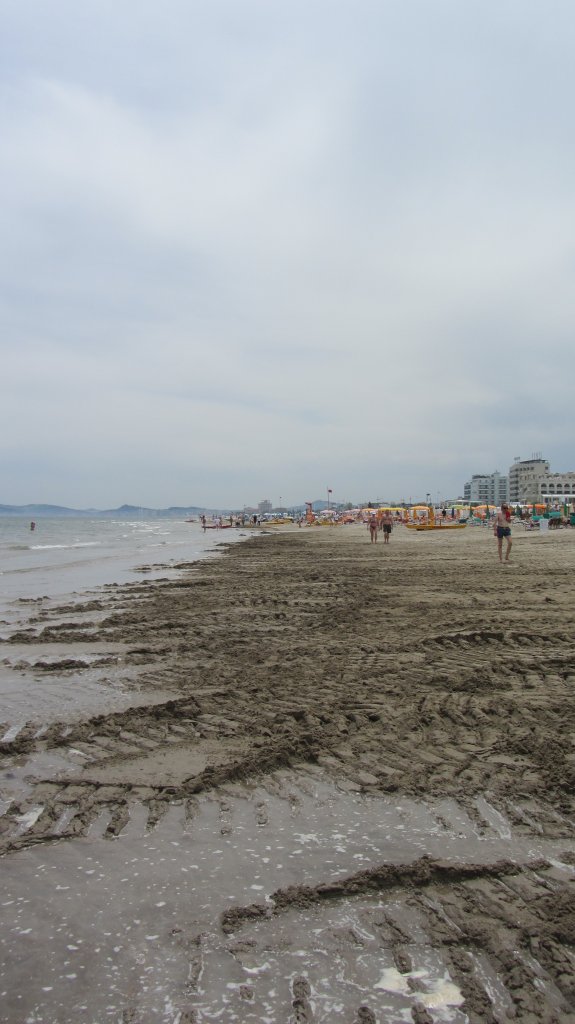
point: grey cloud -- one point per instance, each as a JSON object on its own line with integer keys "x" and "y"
{"x": 242, "y": 241}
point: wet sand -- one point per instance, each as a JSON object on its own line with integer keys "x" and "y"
{"x": 332, "y": 780}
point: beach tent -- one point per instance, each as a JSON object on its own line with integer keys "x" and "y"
{"x": 396, "y": 510}
{"x": 482, "y": 511}
{"x": 419, "y": 512}
{"x": 536, "y": 510}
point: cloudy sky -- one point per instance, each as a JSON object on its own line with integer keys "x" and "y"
{"x": 256, "y": 248}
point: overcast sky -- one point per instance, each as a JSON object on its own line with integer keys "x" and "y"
{"x": 255, "y": 249}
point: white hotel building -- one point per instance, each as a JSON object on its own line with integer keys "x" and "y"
{"x": 529, "y": 481}
{"x": 487, "y": 489}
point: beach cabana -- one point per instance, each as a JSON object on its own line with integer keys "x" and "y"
{"x": 396, "y": 510}
{"x": 483, "y": 511}
{"x": 537, "y": 510}
{"x": 419, "y": 511}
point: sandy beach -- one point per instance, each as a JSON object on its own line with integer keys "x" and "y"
{"x": 315, "y": 779}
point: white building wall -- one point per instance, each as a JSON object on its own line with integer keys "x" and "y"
{"x": 526, "y": 478}
{"x": 558, "y": 487}
{"x": 491, "y": 488}
{"x": 532, "y": 481}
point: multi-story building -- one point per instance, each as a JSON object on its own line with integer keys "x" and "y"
{"x": 264, "y": 506}
{"x": 559, "y": 487}
{"x": 487, "y": 489}
{"x": 528, "y": 479}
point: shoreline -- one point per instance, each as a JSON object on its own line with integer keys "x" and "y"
{"x": 419, "y": 684}
{"x": 342, "y": 628}
{"x": 66, "y": 556}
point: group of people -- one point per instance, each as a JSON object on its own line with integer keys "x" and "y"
{"x": 219, "y": 523}
{"x": 383, "y": 524}
{"x": 501, "y": 529}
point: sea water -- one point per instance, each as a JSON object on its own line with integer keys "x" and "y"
{"x": 65, "y": 556}
{"x": 59, "y": 563}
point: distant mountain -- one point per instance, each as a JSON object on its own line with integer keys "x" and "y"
{"x": 131, "y": 511}
{"x": 40, "y": 510}
{"x": 124, "y": 512}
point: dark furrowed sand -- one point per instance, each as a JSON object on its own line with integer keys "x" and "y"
{"x": 406, "y": 709}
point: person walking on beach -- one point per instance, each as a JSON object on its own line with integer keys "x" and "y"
{"x": 387, "y": 524}
{"x": 501, "y": 529}
{"x": 373, "y": 529}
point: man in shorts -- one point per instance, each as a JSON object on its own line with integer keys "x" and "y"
{"x": 387, "y": 524}
{"x": 501, "y": 529}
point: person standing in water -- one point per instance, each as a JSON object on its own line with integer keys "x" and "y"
{"x": 502, "y": 529}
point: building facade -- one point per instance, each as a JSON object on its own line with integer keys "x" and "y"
{"x": 531, "y": 481}
{"x": 487, "y": 488}
{"x": 264, "y": 506}
{"x": 528, "y": 479}
{"x": 559, "y": 487}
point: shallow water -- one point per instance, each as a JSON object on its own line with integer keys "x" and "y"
{"x": 97, "y": 930}
{"x": 68, "y": 555}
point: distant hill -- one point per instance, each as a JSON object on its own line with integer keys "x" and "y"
{"x": 124, "y": 512}
{"x": 130, "y": 511}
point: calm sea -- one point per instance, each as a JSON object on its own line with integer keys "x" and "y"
{"x": 67, "y": 556}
